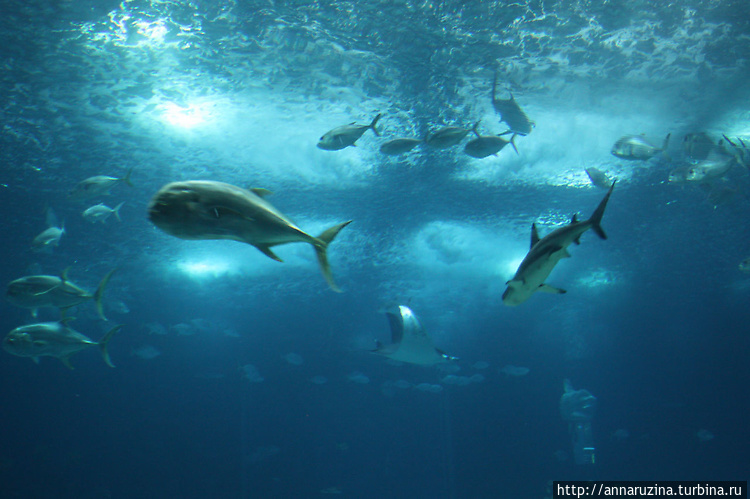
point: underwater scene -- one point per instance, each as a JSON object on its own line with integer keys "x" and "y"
{"x": 384, "y": 249}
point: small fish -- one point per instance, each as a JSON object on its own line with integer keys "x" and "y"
{"x": 53, "y": 339}
{"x": 511, "y": 113}
{"x": 636, "y": 147}
{"x": 203, "y": 209}
{"x": 598, "y": 178}
{"x": 99, "y": 185}
{"x": 545, "y": 254}
{"x": 398, "y": 146}
{"x": 487, "y": 145}
{"x": 448, "y": 136}
{"x": 744, "y": 266}
{"x": 101, "y": 212}
{"x": 37, "y": 291}
{"x": 347, "y": 135}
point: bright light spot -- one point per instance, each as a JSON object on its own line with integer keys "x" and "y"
{"x": 154, "y": 31}
{"x": 184, "y": 116}
{"x": 204, "y": 268}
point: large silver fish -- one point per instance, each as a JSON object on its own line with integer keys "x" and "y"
{"x": 637, "y": 148}
{"x": 511, "y": 113}
{"x": 39, "y": 291}
{"x": 203, "y": 209}
{"x": 347, "y": 135}
{"x": 99, "y": 185}
{"x": 409, "y": 342}
{"x": 398, "y": 146}
{"x": 448, "y": 136}
{"x": 713, "y": 168}
{"x": 545, "y": 253}
{"x": 53, "y": 339}
{"x": 487, "y": 145}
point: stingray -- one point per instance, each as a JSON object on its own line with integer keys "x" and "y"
{"x": 409, "y": 342}
{"x": 511, "y": 113}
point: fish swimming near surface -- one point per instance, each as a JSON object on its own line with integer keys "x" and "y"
{"x": 511, "y": 113}
{"x": 53, "y": 339}
{"x": 448, "y": 136}
{"x": 99, "y": 185}
{"x": 101, "y": 212}
{"x": 637, "y": 148}
{"x": 38, "y": 291}
{"x": 347, "y": 135}
{"x": 487, "y": 145}
{"x": 545, "y": 253}
{"x": 398, "y": 146}
{"x": 598, "y": 178}
{"x": 409, "y": 341}
{"x": 204, "y": 209}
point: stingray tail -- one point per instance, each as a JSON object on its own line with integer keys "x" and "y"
{"x": 105, "y": 341}
{"x": 596, "y": 218}
{"x": 321, "y": 251}
{"x": 100, "y": 294}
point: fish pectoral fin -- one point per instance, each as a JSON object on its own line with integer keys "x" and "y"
{"x": 266, "y": 250}
{"x": 546, "y": 288}
{"x": 66, "y": 360}
{"x": 36, "y": 360}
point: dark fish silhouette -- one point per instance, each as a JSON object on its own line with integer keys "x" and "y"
{"x": 511, "y": 113}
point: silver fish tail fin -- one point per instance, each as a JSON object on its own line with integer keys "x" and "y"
{"x": 513, "y": 143}
{"x": 321, "y": 251}
{"x": 100, "y": 293}
{"x": 375, "y": 122}
{"x": 116, "y": 211}
{"x": 474, "y": 128}
{"x": 126, "y": 179}
{"x": 596, "y": 218}
{"x": 105, "y": 341}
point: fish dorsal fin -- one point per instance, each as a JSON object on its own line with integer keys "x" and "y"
{"x": 574, "y": 218}
{"x": 261, "y": 192}
{"x": 534, "y": 235}
{"x": 65, "y": 320}
{"x": 64, "y": 275}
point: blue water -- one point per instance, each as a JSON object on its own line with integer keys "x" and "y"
{"x": 241, "y": 377}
